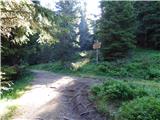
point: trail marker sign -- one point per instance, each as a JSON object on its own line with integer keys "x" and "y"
{"x": 97, "y": 45}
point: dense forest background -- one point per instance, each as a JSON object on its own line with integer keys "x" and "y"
{"x": 34, "y": 34}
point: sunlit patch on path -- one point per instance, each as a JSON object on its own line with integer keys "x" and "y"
{"x": 49, "y": 98}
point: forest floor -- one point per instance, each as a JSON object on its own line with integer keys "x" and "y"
{"x": 57, "y": 97}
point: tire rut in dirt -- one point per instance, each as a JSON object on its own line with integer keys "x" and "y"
{"x": 78, "y": 93}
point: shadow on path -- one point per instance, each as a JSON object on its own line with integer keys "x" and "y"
{"x": 57, "y": 97}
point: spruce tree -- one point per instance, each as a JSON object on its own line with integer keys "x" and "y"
{"x": 148, "y": 24}
{"x": 85, "y": 37}
{"x": 67, "y": 35}
{"x": 116, "y": 29}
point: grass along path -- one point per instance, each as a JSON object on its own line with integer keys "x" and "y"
{"x": 9, "y": 98}
{"x": 144, "y": 65}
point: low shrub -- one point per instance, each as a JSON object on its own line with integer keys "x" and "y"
{"x": 110, "y": 96}
{"x": 146, "y": 108}
{"x": 10, "y": 72}
{"x": 18, "y": 87}
{"x": 118, "y": 90}
{"x": 102, "y": 68}
{"x": 154, "y": 74}
{"x": 8, "y": 76}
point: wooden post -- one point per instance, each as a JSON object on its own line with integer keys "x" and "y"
{"x": 96, "y": 46}
{"x": 97, "y": 54}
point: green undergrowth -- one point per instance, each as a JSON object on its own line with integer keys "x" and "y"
{"x": 117, "y": 99}
{"x": 19, "y": 86}
{"x": 14, "y": 91}
{"x": 145, "y": 108}
{"x": 144, "y": 64}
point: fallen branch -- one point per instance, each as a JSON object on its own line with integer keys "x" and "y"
{"x": 88, "y": 105}
{"x": 74, "y": 97}
{"x": 87, "y": 112}
{"x": 76, "y": 105}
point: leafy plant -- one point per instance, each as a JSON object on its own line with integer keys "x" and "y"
{"x": 8, "y": 75}
{"x": 146, "y": 108}
{"x": 18, "y": 87}
{"x": 120, "y": 90}
{"x": 114, "y": 94}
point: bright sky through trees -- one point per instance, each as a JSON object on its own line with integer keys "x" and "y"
{"x": 91, "y": 8}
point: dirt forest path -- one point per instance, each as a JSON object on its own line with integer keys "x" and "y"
{"x": 57, "y": 97}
